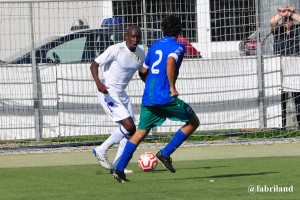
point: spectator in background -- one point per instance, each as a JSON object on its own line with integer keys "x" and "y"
{"x": 286, "y": 43}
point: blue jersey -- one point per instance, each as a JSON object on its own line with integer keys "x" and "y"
{"x": 157, "y": 87}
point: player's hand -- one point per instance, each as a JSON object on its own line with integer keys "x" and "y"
{"x": 174, "y": 92}
{"x": 103, "y": 89}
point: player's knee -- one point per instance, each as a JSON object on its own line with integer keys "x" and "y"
{"x": 131, "y": 130}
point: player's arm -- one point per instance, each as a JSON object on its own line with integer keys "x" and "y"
{"x": 106, "y": 57}
{"x": 143, "y": 73}
{"x": 94, "y": 70}
{"x": 172, "y": 75}
{"x": 144, "y": 70}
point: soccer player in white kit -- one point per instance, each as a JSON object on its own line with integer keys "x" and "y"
{"x": 119, "y": 63}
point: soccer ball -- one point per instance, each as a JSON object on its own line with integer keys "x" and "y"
{"x": 147, "y": 161}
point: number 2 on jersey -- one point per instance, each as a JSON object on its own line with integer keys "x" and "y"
{"x": 156, "y": 71}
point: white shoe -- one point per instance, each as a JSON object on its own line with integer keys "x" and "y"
{"x": 102, "y": 159}
{"x": 128, "y": 171}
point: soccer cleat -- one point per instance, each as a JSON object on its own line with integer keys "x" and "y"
{"x": 166, "y": 161}
{"x": 120, "y": 176}
{"x": 102, "y": 159}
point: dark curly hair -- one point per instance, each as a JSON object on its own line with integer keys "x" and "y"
{"x": 171, "y": 26}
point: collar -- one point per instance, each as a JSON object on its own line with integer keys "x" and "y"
{"x": 169, "y": 38}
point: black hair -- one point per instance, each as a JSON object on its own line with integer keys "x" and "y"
{"x": 133, "y": 27}
{"x": 171, "y": 26}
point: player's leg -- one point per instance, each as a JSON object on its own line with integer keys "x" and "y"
{"x": 101, "y": 151}
{"x": 129, "y": 127}
{"x": 147, "y": 120}
{"x": 116, "y": 110}
{"x": 183, "y": 112}
{"x": 118, "y": 156}
{"x": 181, "y": 135}
{"x": 130, "y": 147}
{"x": 120, "y": 149}
{"x": 126, "y": 129}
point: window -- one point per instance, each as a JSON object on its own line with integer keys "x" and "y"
{"x": 102, "y": 42}
{"x": 232, "y": 20}
{"x": 70, "y": 51}
{"x": 156, "y": 10}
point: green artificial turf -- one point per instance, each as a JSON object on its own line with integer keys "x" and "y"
{"x": 194, "y": 179}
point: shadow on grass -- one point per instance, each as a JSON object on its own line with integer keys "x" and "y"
{"x": 209, "y": 167}
{"x": 179, "y": 169}
{"x": 187, "y": 168}
{"x": 220, "y": 176}
{"x": 239, "y": 175}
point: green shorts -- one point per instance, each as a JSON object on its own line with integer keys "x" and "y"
{"x": 152, "y": 116}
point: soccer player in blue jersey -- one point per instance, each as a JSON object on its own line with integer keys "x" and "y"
{"x": 160, "y": 99}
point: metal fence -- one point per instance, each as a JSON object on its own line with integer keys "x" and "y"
{"x": 45, "y": 100}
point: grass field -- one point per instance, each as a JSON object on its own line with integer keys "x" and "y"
{"x": 208, "y": 172}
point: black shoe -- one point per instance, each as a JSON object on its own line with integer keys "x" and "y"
{"x": 120, "y": 176}
{"x": 166, "y": 161}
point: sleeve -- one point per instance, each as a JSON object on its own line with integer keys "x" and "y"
{"x": 107, "y": 56}
{"x": 178, "y": 53}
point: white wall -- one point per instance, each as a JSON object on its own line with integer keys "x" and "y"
{"x": 207, "y": 48}
{"x": 222, "y": 92}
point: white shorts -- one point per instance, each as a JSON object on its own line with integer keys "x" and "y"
{"x": 117, "y": 106}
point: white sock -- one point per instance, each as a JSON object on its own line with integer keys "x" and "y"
{"x": 120, "y": 148}
{"x": 114, "y": 138}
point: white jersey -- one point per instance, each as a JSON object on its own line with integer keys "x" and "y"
{"x": 119, "y": 65}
